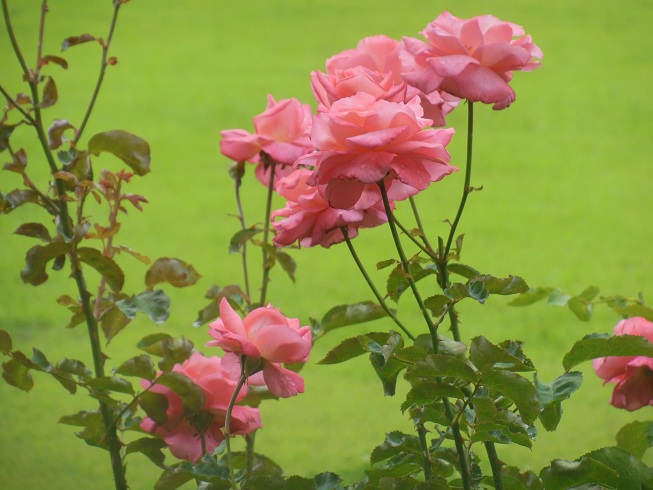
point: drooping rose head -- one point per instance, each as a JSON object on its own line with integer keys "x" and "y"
{"x": 281, "y": 131}
{"x": 632, "y": 375}
{"x": 217, "y": 385}
{"x": 310, "y": 220}
{"x": 470, "y": 58}
{"x": 265, "y": 334}
{"x": 362, "y": 141}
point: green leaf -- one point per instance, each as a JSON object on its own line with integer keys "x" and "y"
{"x": 351, "y": 314}
{"x": 191, "y": 394}
{"x": 354, "y": 347}
{"x": 172, "y": 478}
{"x": 476, "y": 290}
{"x": 485, "y": 355}
{"x": 149, "y": 447}
{"x": 563, "y": 474}
{"x": 531, "y": 296}
{"x": 398, "y": 280}
{"x": 241, "y": 237}
{"x": 636, "y": 310}
{"x": 50, "y": 94}
{"x": 111, "y": 383}
{"x": 327, "y": 481}
{"x": 131, "y": 149}
{"x": 5, "y": 133}
{"x": 153, "y": 343}
{"x": 395, "y": 443}
{"x": 74, "y": 367}
{"x": 429, "y": 391}
{"x": 37, "y": 259}
{"x": 175, "y": 351}
{"x": 155, "y": 304}
{"x": 551, "y": 396}
{"x": 636, "y": 437}
{"x": 173, "y": 271}
{"x": 437, "y": 304}
{"x": 34, "y": 230}
{"x": 387, "y": 371}
{"x": 139, "y": 366}
{"x": 462, "y": 270}
{"x": 582, "y": 309}
{"x": 17, "y": 374}
{"x": 112, "y": 322}
{"x": 5, "y": 342}
{"x": 82, "y": 419}
{"x": 104, "y": 265}
{"x": 287, "y": 263}
{"x": 514, "y": 480}
{"x": 435, "y": 366}
{"x": 502, "y": 285}
{"x": 518, "y": 389}
{"x": 598, "y": 345}
{"x": 155, "y": 406}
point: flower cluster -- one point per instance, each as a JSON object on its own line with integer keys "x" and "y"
{"x": 378, "y": 105}
{"x": 264, "y": 339}
{"x": 632, "y": 375}
{"x": 186, "y": 433}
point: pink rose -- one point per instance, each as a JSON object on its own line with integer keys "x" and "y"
{"x": 268, "y": 335}
{"x": 632, "y": 375}
{"x": 310, "y": 220}
{"x": 217, "y": 385}
{"x": 470, "y": 58}
{"x": 281, "y": 131}
{"x": 362, "y": 141}
{"x": 374, "y": 67}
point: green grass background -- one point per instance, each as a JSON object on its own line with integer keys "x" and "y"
{"x": 566, "y": 202}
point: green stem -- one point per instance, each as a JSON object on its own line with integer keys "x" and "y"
{"x": 243, "y": 226}
{"x": 103, "y": 68}
{"x": 495, "y": 464}
{"x": 227, "y": 422}
{"x": 426, "y": 457}
{"x": 423, "y": 247}
{"x": 266, "y": 233}
{"x": 249, "y": 451}
{"x": 468, "y": 174}
{"x": 418, "y": 221}
{"x": 375, "y": 291}
{"x": 404, "y": 262}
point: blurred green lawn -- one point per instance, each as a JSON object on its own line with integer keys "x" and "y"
{"x": 566, "y": 202}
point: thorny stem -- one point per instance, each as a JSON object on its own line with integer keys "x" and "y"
{"x": 375, "y": 291}
{"x": 266, "y": 233}
{"x": 64, "y": 219}
{"x": 423, "y": 247}
{"x": 426, "y": 457}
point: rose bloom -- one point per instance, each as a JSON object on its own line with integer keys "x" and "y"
{"x": 374, "y": 67}
{"x": 310, "y": 220}
{"x": 471, "y": 58}
{"x": 281, "y": 131}
{"x": 218, "y": 386}
{"x": 362, "y": 141}
{"x": 264, "y": 334}
{"x": 632, "y": 375}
